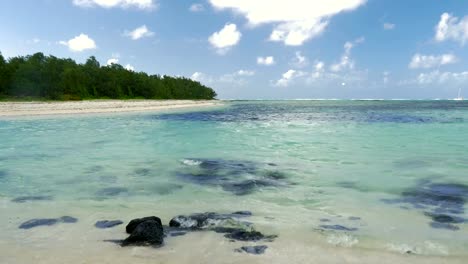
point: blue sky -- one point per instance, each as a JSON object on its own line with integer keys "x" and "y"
{"x": 268, "y": 49}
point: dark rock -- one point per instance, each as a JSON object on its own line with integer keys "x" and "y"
{"x": 207, "y": 220}
{"x": 243, "y": 235}
{"x": 255, "y": 250}
{"x": 447, "y": 226}
{"x": 226, "y": 230}
{"x": 338, "y": 228}
{"x": 24, "y": 199}
{"x": 111, "y": 191}
{"x": 147, "y": 233}
{"x": 68, "y": 219}
{"x": 103, "y": 224}
{"x": 38, "y": 222}
{"x": 135, "y": 222}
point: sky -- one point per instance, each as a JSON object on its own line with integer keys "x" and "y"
{"x": 259, "y": 49}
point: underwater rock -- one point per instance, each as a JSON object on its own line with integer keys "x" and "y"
{"x": 147, "y": 233}
{"x": 142, "y": 172}
{"x": 243, "y": 235}
{"x": 275, "y": 175}
{"x": 247, "y": 186}
{"x": 209, "y": 220}
{"x": 135, "y": 222}
{"x": 354, "y": 218}
{"x": 443, "y": 218}
{"x": 111, "y": 191}
{"x": 103, "y": 224}
{"x": 447, "y": 226}
{"x": 255, "y": 250}
{"x": 68, "y": 219}
{"x": 38, "y": 222}
{"x": 339, "y": 228}
{"x": 24, "y": 199}
{"x": 238, "y": 177}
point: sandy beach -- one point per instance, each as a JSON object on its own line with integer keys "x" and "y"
{"x": 9, "y": 109}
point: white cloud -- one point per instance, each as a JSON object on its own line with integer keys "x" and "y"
{"x": 140, "y": 4}
{"x": 245, "y": 73}
{"x": 129, "y": 67}
{"x": 430, "y": 61}
{"x": 386, "y": 77}
{"x": 226, "y": 38}
{"x": 112, "y": 61}
{"x": 269, "y": 60}
{"x": 442, "y": 77}
{"x": 138, "y": 33}
{"x": 80, "y": 43}
{"x": 319, "y": 68}
{"x": 197, "y": 7}
{"x": 288, "y": 77}
{"x": 299, "y": 61}
{"x": 236, "y": 78}
{"x": 295, "y": 21}
{"x": 452, "y": 28}
{"x": 388, "y": 26}
{"x": 346, "y": 63}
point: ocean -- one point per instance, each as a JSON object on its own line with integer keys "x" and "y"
{"x": 336, "y": 181}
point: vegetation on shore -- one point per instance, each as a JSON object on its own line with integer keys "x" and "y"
{"x": 51, "y": 78}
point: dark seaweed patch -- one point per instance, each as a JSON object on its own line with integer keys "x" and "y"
{"x": 441, "y": 202}
{"x": 24, "y": 199}
{"x": 338, "y": 228}
{"x": 237, "y": 177}
{"x": 111, "y": 191}
{"x": 103, "y": 224}
{"x": 255, "y": 250}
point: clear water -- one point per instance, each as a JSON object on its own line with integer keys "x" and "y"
{"x": 382, "y": 169}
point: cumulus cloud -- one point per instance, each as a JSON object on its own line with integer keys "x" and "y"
{"x": 430, "y": 61}
{"x": 299, "y": 61}
{"x": 112, "y": 61}
{"x": 452, "y": 28}
{"x": 129, "y": 67}
{"x": 346, "y": 63}
{"x": 197, "y": 7}
{"x": 80, "y": 43}
{"x": 245, "y": 73}
{"x": 140, "y": 4}
{"x": 388, "y": 26}
{"x": 288, "y": 77}
{"x": 138, "y": 33}
{"x": 295, "y": 21}
{"x": 225, "y": 39}
{"x": 236, "y": 78}
{"x": 442, "y": 77}
{"x": 267, "y": 61}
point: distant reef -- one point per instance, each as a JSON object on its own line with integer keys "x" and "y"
{"x": 50, "y": 78}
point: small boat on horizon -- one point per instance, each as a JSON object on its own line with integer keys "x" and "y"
{"x": 459, "y": 98}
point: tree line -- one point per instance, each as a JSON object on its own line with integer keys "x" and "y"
{"x": 49, "y": 77}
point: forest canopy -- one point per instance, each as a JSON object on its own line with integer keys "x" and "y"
{"x": 49, "y": 77}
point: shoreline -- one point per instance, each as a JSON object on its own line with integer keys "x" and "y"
{"x": 37, "y": 108}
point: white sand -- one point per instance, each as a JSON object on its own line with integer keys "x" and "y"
{"x": 8, "y": 109}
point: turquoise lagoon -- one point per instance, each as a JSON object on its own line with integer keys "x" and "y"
{"x": 337, "y": 181}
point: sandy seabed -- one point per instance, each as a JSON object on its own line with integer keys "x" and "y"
{"x": 11, "y": 109}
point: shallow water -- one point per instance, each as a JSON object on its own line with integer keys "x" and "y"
{"x": 337, "y": 181}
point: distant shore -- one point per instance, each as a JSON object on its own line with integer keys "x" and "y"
{"x": 12, "y": 109}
